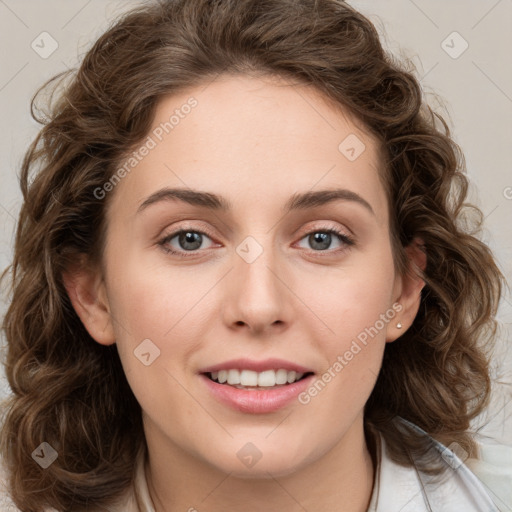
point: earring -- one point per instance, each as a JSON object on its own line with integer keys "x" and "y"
{"x": 398, "y": 325}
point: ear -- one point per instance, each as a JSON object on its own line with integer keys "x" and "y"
{"x": 409, "y": 287}
{"x": 87, "y": 293}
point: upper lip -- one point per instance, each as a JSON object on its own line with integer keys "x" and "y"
{"x": 257, "y": 366}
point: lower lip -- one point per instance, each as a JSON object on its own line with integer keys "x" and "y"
{"x": 255, "y": 401}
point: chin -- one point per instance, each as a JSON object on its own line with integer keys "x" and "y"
{"x": 271, "y": 465}
{"x": 262, "y": 471}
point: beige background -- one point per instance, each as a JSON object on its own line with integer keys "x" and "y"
{"x": 477, "y": 86}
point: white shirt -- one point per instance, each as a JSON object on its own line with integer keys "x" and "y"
{"x": 396, "y": 489}
{"x": 408, "y": 489}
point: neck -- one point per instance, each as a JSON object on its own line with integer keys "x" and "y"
{"x": 339, "y": 480}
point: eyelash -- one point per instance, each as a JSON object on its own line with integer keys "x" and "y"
{"x": 347, "y": 240}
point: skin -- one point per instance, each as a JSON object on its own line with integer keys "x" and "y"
{"x": 255, "y": 141}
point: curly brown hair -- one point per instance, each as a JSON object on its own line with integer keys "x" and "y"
{"x": 69, "y": 390}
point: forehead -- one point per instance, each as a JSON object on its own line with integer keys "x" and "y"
{"x": 261, "y": 135}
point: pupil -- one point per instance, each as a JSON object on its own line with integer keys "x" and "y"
{"x": 189, "y": 237}
{"x": 323, "y": 238}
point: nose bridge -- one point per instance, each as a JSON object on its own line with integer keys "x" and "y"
{"x": 257, "y": 295}
{"x": 256, "y": 259}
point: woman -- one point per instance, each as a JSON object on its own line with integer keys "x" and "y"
{"x": 240, "y": 278}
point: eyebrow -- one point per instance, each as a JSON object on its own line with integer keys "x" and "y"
{"x": 298, "y": 201}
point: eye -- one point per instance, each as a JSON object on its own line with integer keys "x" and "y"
{"x": 187, "y": 240}
{"x": 321, "y": 239}
{"x": 184, "y": 241}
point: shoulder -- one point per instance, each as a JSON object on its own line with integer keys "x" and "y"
{"x": 412, "y": 489}
{"x": 494, "y": 469}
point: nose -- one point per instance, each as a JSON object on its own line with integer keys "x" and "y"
{"x": 258, "y": 297}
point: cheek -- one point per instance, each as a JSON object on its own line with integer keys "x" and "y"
{"x": 155, "y": 304}
{"x": 351, "y": 299}
{"x": 357, "y": 318}
{"x": 151, "y": 299}
{"x": 355, "y": 311}
{"x": 154, "y": 337}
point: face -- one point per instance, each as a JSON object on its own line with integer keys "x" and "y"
{"x": 264, "y": 273}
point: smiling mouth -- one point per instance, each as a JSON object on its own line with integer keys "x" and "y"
{"x": 251, "y": 380}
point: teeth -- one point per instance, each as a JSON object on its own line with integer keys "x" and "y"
{"x": 281, "y": 377}
{"x": 248, "y": 378}
{"x": 268, "y": 378}
{"x": 233, "y": 377}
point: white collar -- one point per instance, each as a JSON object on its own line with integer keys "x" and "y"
{"x": 399, "y": 488}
